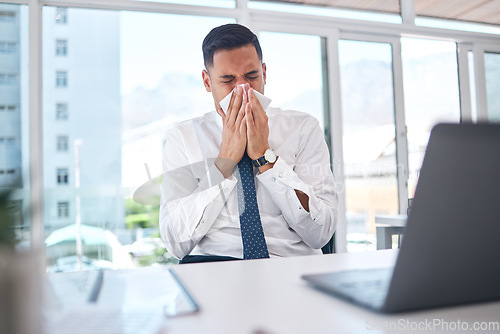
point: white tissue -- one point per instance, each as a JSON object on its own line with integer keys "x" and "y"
{"x": 264, "y": 100}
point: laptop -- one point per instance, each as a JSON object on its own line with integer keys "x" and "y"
{"x": 451, "y": 247}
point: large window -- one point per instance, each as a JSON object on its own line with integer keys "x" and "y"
{"x": 289, "y": 85}
{"x": 431, "y": 95}
{"x": 127, "y": 86}
{"x": 111, "y": 82}
{"x": 368, "y": 138}
{"x": 492, "y": 71}
{"x": 14, "y": 131}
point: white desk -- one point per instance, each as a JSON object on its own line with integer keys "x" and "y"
{"x": 269, "y": 296}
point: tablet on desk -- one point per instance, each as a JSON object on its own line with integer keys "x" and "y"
{"x": 118, "y": 301}
{"x": 183, "y": 302}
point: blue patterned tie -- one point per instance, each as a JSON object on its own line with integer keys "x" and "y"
{"x": 254, "y": 243}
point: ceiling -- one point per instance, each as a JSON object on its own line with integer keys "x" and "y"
{"x": 479, "y": 11}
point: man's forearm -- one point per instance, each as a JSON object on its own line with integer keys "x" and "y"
{"x": 225, "y": 166}
{"x": 303, "y": 199}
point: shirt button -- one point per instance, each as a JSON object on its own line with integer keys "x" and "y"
{"x": 273, "y": 179}
{"x": 281, "y": 175}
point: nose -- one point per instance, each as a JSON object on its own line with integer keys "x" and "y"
{"x": 241, "y": 80}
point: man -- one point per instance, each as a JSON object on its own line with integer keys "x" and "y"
{"x": 207, "y": 206}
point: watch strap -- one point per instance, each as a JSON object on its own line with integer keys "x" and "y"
{"x": 259, "y": 162}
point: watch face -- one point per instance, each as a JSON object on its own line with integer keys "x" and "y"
{"x": 270, "y": 156}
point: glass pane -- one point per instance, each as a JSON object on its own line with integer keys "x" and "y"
{"x": 14, "y": 125}
{"x": 492, "y": 69}
{"x": 368, "y": 138}
{"x": 123, "y": 87}
{"x": 430, "y": 82}
{"x": 472, "y": 85}
{"x": 294, "y": 72}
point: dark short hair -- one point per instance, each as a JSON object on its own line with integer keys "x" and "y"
{"x": 228, "y": 37}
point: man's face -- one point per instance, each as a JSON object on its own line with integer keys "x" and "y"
{"x": 232, "y": 68}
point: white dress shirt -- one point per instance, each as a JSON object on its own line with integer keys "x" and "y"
{"x": 199, "y": 208}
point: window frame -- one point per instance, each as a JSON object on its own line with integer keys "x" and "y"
{"x": 61, "y": 15}
{"x": 62, "y": 112}
{"x": 62, "y": 209}
{"x": 62, "y": 143}
{"x": 61, "y": 47}
{"x": 62, "y": 176}
{"x": 61, "y": 78}
{"x": 479, "y": 50}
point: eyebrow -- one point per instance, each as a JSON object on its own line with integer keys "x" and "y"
{"x": 230, "y": 76}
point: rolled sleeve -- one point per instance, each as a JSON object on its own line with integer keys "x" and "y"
{"x": 310, "y": 174}
{"x": 280, "y": 181}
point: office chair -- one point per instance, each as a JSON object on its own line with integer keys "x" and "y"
{"x": 329, "y": 248}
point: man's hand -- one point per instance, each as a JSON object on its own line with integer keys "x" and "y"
{"x": 234, "y": 133}
{"x": 257, "y": 127}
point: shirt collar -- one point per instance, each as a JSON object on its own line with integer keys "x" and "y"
{"x": 218, "y": 120}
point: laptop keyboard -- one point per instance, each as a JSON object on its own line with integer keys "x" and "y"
{"x": 372, "y": 292}
{"x": 367, "y": 287}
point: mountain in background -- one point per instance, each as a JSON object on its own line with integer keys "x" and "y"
{"x": 367, "y": 96}
{"x": 178, "y": 94}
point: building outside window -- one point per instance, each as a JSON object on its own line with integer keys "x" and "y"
{"x": 62, "y": 176}
{"x": 61, "y": 79}
{"x": 61, "y": 15}
{"x": 61, "y": 47}
{"x": 61, "y": 111}
{"x": 62, "y": 143}
{"x": 3, "y": 155}
{"x": 63, "y": 209}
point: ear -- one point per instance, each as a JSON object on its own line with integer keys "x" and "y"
{"x": 264, "y": 68}
{"x": 206, "y": 81}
